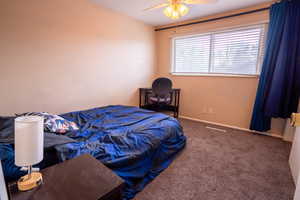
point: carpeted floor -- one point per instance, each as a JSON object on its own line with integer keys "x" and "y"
{"x": 235, "y": 165}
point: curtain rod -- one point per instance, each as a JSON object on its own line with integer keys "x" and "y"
{"x": 213, "y": 19}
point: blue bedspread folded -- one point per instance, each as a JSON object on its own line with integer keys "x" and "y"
{"x": 136, "y": 144}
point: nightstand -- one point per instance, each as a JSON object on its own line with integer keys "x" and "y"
{"x": 82, "y": 178}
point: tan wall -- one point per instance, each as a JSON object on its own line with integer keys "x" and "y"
{"x": 230, "y": 99}
{"x": 64, "y": 55}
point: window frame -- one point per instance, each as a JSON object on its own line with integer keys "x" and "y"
{"x": 260, "y": 55}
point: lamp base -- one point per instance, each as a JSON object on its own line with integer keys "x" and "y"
{"x": 30, "y": 181}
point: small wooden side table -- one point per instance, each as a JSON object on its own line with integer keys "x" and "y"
{"x": 82, "y": 178}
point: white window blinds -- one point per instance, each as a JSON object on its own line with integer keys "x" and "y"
{"x": 236, "y": 51}
{"x": 192, "y": 54}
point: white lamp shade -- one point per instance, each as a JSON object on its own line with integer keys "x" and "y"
{"x": 29, "y": 140}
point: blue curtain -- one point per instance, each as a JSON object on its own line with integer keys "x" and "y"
{"x": 279, "y": 83}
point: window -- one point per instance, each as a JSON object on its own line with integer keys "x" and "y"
{"x": 236, "y": 52}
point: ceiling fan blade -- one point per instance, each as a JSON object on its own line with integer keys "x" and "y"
{"x": 157, "y": 6}
{"x": 199, "y": 1}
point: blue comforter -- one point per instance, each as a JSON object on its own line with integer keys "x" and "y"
{"x": 136, "y": 144}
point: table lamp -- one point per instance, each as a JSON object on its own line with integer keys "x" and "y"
{"x": 29, "y": 149}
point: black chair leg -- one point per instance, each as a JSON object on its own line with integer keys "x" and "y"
{"x": 176, "y": 113}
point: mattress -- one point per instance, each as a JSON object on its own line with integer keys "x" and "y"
{"x": 136, "y": 144}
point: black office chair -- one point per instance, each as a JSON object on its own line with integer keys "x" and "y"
{"x": 161, "y": 97}
{"x": 161, "y": 92}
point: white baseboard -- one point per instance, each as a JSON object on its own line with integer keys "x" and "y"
{"x": 230, "y": 126}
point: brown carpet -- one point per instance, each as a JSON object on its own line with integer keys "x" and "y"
{"x": 235, "y": 165}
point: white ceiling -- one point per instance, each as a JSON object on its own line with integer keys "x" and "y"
{"x": 134, "y": 8}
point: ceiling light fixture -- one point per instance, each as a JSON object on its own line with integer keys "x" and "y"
{"x": 175, "y": 9}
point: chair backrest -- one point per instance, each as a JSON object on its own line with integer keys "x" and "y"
{"x": 162, "y": 87}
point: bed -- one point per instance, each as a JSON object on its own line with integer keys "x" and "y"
{"x": 136, "y": 144}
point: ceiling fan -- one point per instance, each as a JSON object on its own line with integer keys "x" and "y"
{"x": 175, "y": 9}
